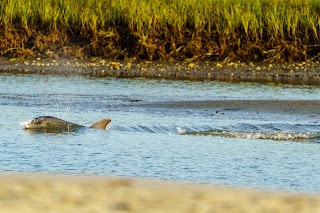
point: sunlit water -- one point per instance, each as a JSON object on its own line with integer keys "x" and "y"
{"x": 265, "y": 151}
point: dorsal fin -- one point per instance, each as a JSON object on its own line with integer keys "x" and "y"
{"x": 101, "y": 124}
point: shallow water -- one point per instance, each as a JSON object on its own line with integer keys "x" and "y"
{"x": 203, "y": 145}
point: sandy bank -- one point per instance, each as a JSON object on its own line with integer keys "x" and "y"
{"x": 30, "y": 193}
{"x": 292, "y": 73}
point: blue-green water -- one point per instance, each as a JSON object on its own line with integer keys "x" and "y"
{"x": 239, "y": 148}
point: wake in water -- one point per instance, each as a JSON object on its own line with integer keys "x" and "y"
{"x": 281, "y": 135}
{"x": 275, "y": 131}
{"x": 254, "y": 134}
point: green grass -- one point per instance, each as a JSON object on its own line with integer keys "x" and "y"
{"x": 225, "y": 27}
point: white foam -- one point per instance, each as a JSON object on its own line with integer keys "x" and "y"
{"x": 25, "y": 124}
{"x": 277, "y": 135}
{"x": 181, "y": 131}
{"x": 109, "y": 126}
{"x": 282, "y": 135}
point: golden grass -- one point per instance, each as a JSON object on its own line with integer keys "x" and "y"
{"x": 162, "y": 29}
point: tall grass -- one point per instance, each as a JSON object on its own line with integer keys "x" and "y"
{"x": 236, "y": 21}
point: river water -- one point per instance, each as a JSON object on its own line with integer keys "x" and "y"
{"x": 162, "y": 130}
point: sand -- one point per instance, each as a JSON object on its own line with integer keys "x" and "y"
{"x": 44, "y": 193}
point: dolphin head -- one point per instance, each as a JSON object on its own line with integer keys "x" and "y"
{"x": 35, "y": 123}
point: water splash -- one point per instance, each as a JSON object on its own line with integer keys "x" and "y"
{"x": 181, "y": 131}
{"x": 271, "y": 135}
{"x": 109, "y": 126}
{"x": 25, "y": 124}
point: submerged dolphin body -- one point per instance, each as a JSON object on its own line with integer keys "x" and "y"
{"x": 53, "y": 124}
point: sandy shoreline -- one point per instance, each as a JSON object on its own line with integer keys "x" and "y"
{"x": 290, "y": 73}
{"x": 43, "y": 193}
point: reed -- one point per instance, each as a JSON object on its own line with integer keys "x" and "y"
{"x": 166, "y": 29}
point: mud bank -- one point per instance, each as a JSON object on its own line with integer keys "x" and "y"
{"x": 310, "y": 107}
{"x": 34, "y": 193}
{"x": 290, "y": 73}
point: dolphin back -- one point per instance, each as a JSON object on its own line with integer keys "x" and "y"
{"x": 101, "y": 124}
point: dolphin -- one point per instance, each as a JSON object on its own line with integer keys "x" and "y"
{"x": 53, "y": 124}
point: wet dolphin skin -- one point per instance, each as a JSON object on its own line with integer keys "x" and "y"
{"x": 57, "y": 124}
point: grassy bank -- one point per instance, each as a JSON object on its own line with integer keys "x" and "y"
{"x": 260, "y": 30}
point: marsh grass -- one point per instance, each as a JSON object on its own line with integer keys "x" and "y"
{"x": 164, "y": 29}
